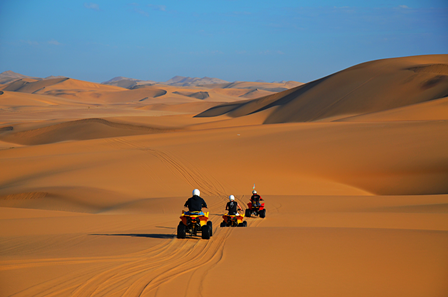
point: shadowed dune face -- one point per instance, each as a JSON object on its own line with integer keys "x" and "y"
{"x": 365, "y": 88}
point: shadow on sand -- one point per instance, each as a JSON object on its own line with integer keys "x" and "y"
{"x": 160, "y": 236}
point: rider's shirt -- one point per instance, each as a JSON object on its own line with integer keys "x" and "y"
{"x": 195, "y": 203}
{"x": 232, "y": 207}
{"x": 256, "y": 198}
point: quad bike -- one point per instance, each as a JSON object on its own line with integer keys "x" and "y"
{"x": 233, "y": 221}
{"x": 256, "y": 210}
{"x": 193, "y": 224}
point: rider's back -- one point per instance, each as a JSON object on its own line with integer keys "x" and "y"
{"x": 195, "y": 203}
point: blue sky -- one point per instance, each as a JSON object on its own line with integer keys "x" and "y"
{"x": 228, "y": 39}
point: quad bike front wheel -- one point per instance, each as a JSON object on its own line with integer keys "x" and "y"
{"x": 223, "y": 224}
{"x": 181, "y": 230}
{"x": 247, "y": 214}
{"x": 263, "y": 213}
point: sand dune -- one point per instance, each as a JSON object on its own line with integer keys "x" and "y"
{"x": 272, "y": 87}
{"x": 33, "y": 86}
{"x": 93, "y": 93}
{"x": 197, "y": 95}
{"x": 352, "y": 167}
{"x": 76, "y": 130}
{"x": 427, "y": 111}
{"x": 20, "y": 100}
{"x": 10, "y": 76}
{"x": 382, "y": 85}
{"x": 136, "y": 253}
{"x": 189, "y": 107}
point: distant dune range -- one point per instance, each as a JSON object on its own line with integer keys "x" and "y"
{"x": 353, "y": 168}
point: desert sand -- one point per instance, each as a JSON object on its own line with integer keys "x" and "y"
{"x": 353, "y": 169}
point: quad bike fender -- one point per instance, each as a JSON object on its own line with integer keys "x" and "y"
{"x": 227, "y": 217}
{"x": 202, "y": 218}
{"x": 249, "y": 205}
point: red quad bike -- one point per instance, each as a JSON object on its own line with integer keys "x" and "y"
{"x": 256, "y": 210}
{"x": 193, "y": 224}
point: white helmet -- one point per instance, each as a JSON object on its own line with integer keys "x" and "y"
{"x": 231, "y": 198}
{"x": 254, "y": 192}
{"x": 196, "y": 192}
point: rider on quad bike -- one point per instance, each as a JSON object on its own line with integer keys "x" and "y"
{"x": 255, "y": 199}
{"x": 255, "y": 207}
{"x": 233, "y": 206}
{"x": 194, "y": 220}
{"x": 195, "y": 203}
{"x": 232, "y": 218}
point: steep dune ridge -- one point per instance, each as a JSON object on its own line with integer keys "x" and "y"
{"x": 33, "y": 86}
{"x": 365, "y": 88}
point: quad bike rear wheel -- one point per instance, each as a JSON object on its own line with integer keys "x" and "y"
{"x": 205, "y": 232}
{"x": 210, "y": 226}
{"x": 181, "y": 230}
{"x": 243, "y": 224}
{"x": 223, "y": 224}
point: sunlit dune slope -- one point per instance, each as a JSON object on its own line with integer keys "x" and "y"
{"x": 18, "y": 100}
{"x": 77, "y": 130}
{"x": 289, "y": 159}
{"x": 364, "y": 88}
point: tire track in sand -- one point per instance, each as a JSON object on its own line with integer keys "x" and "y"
{"x": 58, "y": 286}
{"x": 146, "y": 273}
{"x": 208, "y": 185}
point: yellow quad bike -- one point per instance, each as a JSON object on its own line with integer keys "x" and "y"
{"x": 233, "y": 221}
{"x": 193, "y": 223}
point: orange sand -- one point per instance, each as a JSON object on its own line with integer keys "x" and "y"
{"x": 353, "y": 169}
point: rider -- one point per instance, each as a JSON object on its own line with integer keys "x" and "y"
{"x": 255, "y": 199}
{"x": 233, "y": 206}
{"x": 195, "y": 204}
